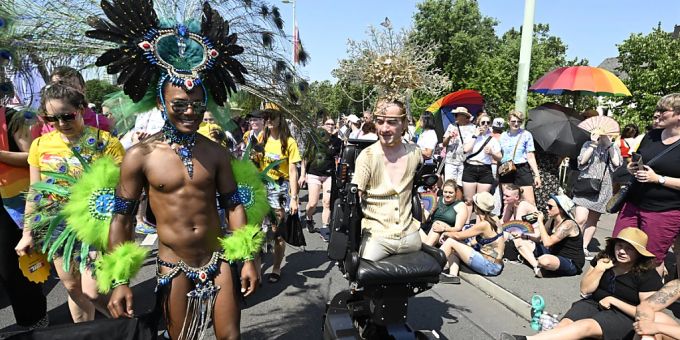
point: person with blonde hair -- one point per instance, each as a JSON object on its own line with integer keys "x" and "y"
{"x": 653, "y": 200}
{"x": 517, "y": 145}
{"x": 482, "y": 150}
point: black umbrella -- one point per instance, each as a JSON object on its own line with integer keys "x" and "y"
{"x": 555, "y": 129}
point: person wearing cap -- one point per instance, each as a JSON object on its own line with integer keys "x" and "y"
{"x": 497, "y": 127}
{"x": 454, "y": 138}
{"x": 620, "y": 277}
{"x": 255, "y": 135}
{"x": 355, "y": 126}
{"x": 559, "y": 251}
{"x": 384, "y": 175}
{"x": 485, "y": 256}
{"x": 518, "y": 147}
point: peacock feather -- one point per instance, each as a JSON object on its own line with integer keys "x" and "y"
{"x": 250, "y": 191}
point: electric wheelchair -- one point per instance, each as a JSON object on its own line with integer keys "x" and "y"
{"x": 376, "y": 302}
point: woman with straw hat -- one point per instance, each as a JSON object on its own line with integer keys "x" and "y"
{"x": 485, "y": 257}
{"x": 621, "y": 276}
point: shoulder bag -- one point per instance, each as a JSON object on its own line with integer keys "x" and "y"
{"x": 590, "y": 186}
{"x": 615, "y": 203}
{"x": 509, "y": 167}
{"x": 480, "y": 149}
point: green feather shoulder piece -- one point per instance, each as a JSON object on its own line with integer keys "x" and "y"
{"x": 120, "y": 265}
{"x": 251, "y": 191}
{"x": 243, "y": 243}
{"x": 90, "y": 206}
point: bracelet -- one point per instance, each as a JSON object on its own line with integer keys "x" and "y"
{"x": 120, "y": 283}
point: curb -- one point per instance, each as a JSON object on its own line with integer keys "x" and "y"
{"x": 500, "y": 294}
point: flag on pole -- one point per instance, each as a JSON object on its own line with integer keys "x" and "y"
{"x": 296, "y": 44}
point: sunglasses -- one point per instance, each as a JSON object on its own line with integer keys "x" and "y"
{"x": 64, "y": 117}
{"x": 330, "y": 124}
{"x": 515, "y": 121}
{"x": 181, "y": 106}
{"x": 484, "y": 122}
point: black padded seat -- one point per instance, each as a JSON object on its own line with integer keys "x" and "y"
{"x": 423, "y": 266}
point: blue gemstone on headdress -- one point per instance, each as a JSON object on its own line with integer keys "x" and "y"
{"x": 182, "y": 30}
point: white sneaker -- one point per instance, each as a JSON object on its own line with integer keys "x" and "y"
{"x": 588, "y": 255}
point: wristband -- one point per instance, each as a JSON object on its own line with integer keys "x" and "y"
{"x": 124, "y": 206}
{"x": 116, "y": 284}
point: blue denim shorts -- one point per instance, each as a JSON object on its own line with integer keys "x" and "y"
{"x": 567, "y": 266}
{"x": 482, "y": 266}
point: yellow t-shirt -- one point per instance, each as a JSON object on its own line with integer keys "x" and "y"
{"x": 272, "y": 153}
{"x": 51, "y": 153}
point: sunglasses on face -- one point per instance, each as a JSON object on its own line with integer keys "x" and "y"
{"x": 515, "y": 121}
{"x": 484, "y": 122}
{"x": 181, "y": 106}
{"x": 64, "y": 117}
{"x": 330, "y": 124}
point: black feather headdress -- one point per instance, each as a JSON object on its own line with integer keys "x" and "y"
{"x": 185, "y": 54}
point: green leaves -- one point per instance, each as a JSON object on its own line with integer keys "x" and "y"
{"x": 651, "y": 67}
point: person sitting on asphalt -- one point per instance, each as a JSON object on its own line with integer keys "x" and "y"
{"x": 384, "y": 174}
{"x": 517, "y": 209}
{"x": 559, "y": 251}
{"x": 449, "y": 215}
{"x": 649, "y": 318}
{"x": 621, "y": 276}
{"x": 485, "y": 255}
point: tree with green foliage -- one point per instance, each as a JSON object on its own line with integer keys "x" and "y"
{"x": 464, "y": 34}
{"x": 98, "y": 89}
{"x": 652, "y": 65}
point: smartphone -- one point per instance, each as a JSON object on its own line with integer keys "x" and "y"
{"x": 530, "y": 218}
{"x": 637, "y": 158}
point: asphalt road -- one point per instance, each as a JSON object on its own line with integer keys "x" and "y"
{"x": 293, "y": 307}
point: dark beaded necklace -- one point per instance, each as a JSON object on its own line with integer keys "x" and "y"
{"x": 183, "y": 145}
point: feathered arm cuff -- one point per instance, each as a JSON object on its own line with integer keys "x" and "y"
{"x": 243, "y": 244}
{"x": 119, "y": 266}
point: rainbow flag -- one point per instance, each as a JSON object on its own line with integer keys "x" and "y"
{"x": 14, "y": 181}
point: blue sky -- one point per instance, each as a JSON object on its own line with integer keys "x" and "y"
{"x": 590, "y": 28}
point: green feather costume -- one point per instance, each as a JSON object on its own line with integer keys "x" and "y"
{"x": 71, "y": 216}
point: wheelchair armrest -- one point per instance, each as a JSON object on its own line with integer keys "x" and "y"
{"x": 352, "y": 265}
{"x": 437, "y": 253}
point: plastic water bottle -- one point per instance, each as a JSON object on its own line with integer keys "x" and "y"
{"x": 537, "y": 306}
{"x": 544, "y": 321}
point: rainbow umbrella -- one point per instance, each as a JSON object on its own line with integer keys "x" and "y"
{"x": 580, "y": 80}
{"x": 441, "y": 109}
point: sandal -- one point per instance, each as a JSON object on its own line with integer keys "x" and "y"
{"x": 274, "y": 278}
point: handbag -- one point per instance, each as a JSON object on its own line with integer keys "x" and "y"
{"x": 616, "y": 202}
{"x": 509, "y": 167}
{"x": 293, "y": 231}
{"x": 590, "y": 186}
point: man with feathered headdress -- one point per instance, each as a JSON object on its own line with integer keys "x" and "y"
{"x": 184, "y": 69}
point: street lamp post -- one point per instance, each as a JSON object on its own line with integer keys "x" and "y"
{"x": 524, "y": 64}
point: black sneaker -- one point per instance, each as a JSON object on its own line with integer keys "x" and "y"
{"x": 447, "y": 278}
{"x": 310, "y": 227}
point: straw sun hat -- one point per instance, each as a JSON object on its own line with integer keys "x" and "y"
{"x": 636, "y": 238}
